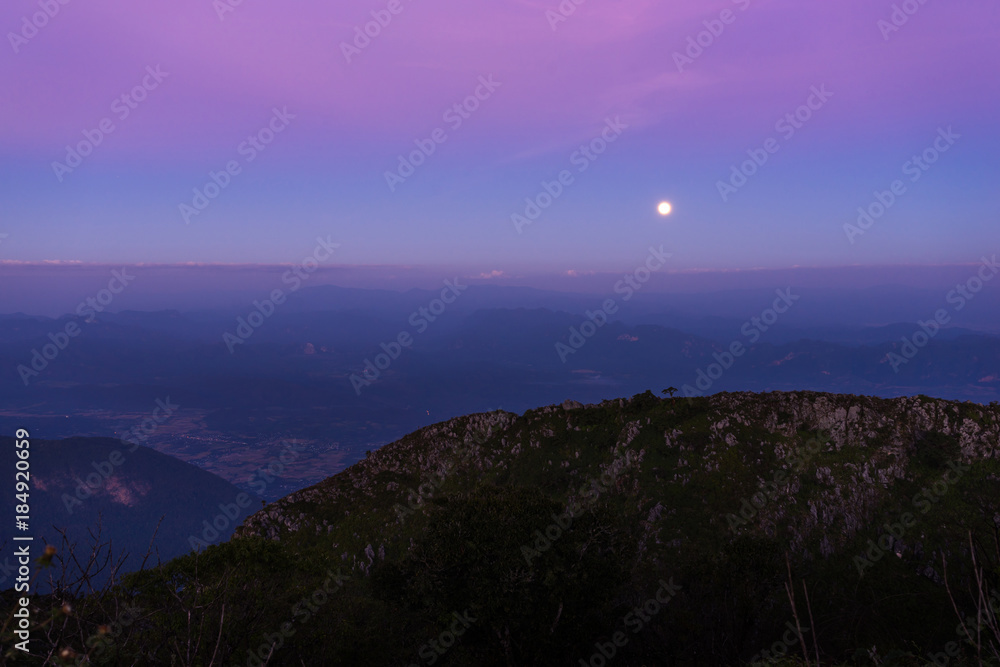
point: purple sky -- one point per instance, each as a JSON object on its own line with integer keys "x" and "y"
{"x": 324, "y": 174}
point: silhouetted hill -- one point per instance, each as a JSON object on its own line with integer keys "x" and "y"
{"x": 654, "y": 531}
{"x": 85, "y": 485}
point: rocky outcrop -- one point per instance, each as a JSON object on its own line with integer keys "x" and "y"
{"x": 815, "y": 469}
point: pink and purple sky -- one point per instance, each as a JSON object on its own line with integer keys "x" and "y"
{"x": 324, "y": 174}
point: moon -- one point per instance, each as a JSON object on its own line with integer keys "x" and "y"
{"x": 665, "y": 208}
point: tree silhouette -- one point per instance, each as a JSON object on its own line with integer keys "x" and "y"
{"x": 670, "y": 390}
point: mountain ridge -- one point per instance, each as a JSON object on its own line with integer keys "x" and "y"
{"x": 866, "y": 525}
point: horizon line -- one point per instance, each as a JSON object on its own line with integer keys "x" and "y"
{"x": 579, "y": 273}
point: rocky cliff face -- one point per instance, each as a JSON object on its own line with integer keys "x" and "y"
{"x": 816, "y": 471}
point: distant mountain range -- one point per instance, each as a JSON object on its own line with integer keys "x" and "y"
{"x": 306, "y": 371}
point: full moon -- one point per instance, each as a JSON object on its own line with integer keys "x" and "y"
{"x": 664, "y": 208}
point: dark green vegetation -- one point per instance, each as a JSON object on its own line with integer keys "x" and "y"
{"x": 535, "y": 538}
